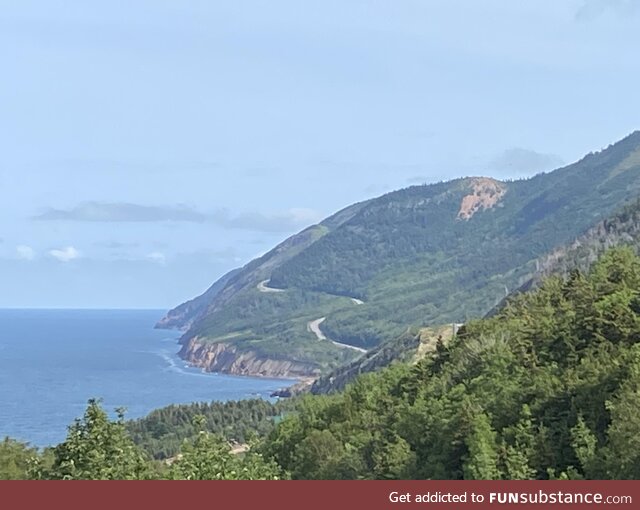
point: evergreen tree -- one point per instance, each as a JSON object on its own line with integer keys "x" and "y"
{"x": 482, "y": 459}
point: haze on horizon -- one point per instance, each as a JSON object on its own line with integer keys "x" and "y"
{"x": 148, "y": 147}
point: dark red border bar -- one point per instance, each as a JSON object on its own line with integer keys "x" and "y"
{"x": 305, "y": 495}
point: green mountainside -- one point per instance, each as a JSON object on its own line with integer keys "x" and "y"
{"x": 622, "y": 228}
{"x": 425, "y": 255}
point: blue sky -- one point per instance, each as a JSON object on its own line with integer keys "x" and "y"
{"x": 147, "y": 147}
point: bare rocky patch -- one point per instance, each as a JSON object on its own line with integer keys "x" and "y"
{"x": 485, "y": 194}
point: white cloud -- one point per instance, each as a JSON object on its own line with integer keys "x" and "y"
{"x": 25, "y": 252}
{"x": 122, "y": 212}
{"x": 65, "y": 254}
{"x": 113, "y": 212}
{"x": 157, "y": 257}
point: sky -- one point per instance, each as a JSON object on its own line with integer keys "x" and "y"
{"x": 148, "y": 146}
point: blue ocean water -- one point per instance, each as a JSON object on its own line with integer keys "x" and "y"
{"x": 53, "y": 361}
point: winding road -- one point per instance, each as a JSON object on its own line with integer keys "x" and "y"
{"x": 314, "y": 327}
{"x": 263, "y": 287}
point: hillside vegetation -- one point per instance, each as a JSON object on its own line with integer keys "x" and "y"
{"x": 161, "y": 434}
{"x": 421, "y": 256}
{"x": 549, "y": 387}
{"x": 621, "y": 229}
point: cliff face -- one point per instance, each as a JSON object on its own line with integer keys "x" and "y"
{"x": 225, "y": 358}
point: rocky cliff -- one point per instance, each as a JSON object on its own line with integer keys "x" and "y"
{"x": 226, "y": 358}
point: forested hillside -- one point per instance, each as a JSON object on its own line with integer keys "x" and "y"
{"x": 162, "y": 432}
{"x": 622, "y": 228}
{"x": 549, "y": 387}
{"x": 426, "y": 255}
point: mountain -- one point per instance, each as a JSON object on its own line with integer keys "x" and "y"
{"x": 622, "y": 228}
{"x": 424, "y": 255}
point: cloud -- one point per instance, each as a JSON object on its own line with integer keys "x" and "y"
{"x": 121, "y": 212}
{"x": 65, "y": 254}
{"x": 113, "y": 212}
{"x": 157, "y": 257}
{"x": 592, "y": 9}
{"x": 25, "y": 252}
{"x": 524, "y": 162}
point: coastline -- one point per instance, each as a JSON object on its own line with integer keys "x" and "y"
{"x": 66, "y": 357}
{"x": 225, "y": 358}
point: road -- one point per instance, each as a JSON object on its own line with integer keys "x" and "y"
{"x": 262, "y": 287}
{"x": 314, "y": 327}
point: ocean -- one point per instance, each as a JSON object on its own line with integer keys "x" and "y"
{"x": 53, "y": 361}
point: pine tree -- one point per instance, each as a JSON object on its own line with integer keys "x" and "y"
{"x": 482, "y": 460}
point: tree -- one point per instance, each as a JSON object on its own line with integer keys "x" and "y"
{"x": 585, "y": 444}
{"x": 320, "y": 455}
{"x": 623, "y": 448}
{"x": 97, "y": 448}
{"x": 16, "y": 459}
{"x": 392, "y": 457}
{"x": 482, "y": 460}
{"x": 519, "y": 453}
{"x": 209, "y": 457}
